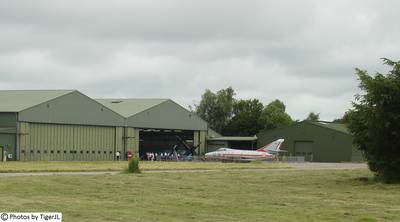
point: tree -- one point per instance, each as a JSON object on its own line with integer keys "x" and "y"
{"x": 344, "y": 119}
{"x": 216, "y": 108}
{"x": 374, "y": 121}
{"x": 313, "y": 117}
{"x": 274, "y": 115}
{"x": 245, "y": 118}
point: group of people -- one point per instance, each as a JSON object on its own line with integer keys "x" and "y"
{"x": 128, "y": 155}
{"x": 162, "y": 156}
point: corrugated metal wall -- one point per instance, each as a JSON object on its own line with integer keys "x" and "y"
{"x": 327, "y": 145}
{"x": 8, "y": 129}
{"x": 199, "y": 137}
{"x": 69, "y": 142}
{"x": 132, "y": 140}
{"x": 203, "y": 140}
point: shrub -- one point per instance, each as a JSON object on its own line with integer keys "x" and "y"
{"x": 374, "y": 121}
{"x": 133, "y": 165}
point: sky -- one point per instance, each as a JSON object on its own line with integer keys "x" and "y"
{"x": 300, "y": 52}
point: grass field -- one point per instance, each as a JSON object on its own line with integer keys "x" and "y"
{"x": 73, "y": 166}
{"x": 285, "y": 195}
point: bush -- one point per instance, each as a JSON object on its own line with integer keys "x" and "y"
{"x": 133, "y": 165}
{"x": 374, "y": 121}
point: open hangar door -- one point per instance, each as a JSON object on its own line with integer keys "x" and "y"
{"x": 163, "y": 141}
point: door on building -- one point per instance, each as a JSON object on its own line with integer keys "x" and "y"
{"x": 7, "y": 141}
{"x": 304, "y": 148}
{"x": 6, "y": 150}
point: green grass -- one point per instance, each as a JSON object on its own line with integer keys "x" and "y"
{"x": 285, "y": 195}
{"x": 74, "y": 166}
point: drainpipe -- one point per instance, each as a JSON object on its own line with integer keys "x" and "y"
{"x": 17, "y": 139}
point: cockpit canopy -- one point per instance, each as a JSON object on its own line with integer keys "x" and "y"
{"x": 223, "y": 149}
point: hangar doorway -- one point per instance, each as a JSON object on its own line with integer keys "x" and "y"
{"x": 7, "y": 141}
{"x": 163, "y": 141}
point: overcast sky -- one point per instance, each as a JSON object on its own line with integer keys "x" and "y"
{"x": 301, "y": 52}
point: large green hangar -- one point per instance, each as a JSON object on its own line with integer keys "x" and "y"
{"x": 154, "y": 124}
{"x": 315, "y": 141}
{"x": 57, "y": 125}
{"x": 68, "y": 125}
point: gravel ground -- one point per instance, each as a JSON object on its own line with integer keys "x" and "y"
{"x": 294, "y": 166}
{"x": 329, "y": 166}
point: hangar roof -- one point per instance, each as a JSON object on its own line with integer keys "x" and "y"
{"x": 130, "y": 107}
{"x": 333, "y": 126}
{"x": 166, "y": 114}
{"x": 73, "y": 107}
{"x": 212, "y": 133}
{"x": 338, "y": 127}
{"x": 234, "y": 138}
{"x": 155, "y": 113}
{"x": 18, "y": 100}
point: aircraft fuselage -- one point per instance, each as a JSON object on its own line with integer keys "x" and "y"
{"x": 227, "y": 153}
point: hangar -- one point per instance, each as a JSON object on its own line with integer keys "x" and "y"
{"x": 57, "y": 125}
{"x": 68, "y": 125}
{"x": 154, "y": 124}
{"x": 316, "y": 141}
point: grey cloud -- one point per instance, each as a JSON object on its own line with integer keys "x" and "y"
{"x": 303, "y": 53}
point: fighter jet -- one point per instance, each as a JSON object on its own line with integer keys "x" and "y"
{"x": 267, "y": 152}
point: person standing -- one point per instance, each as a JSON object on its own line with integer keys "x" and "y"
{"x": 5, "y": 156}
{"x": 118, "y": 155}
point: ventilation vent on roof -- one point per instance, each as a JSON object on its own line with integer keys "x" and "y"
{"x": 116, "y": 101}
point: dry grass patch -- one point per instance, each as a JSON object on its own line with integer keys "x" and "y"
{"x": 318, "y": 195}
{"x": 76, "y": 166}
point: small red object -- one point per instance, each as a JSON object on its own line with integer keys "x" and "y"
{"x": 129, "y": 155}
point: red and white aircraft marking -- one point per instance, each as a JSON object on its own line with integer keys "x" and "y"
{"x": 266, "y": 152}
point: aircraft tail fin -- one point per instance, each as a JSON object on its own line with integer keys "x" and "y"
{"x": 272, "y": 147}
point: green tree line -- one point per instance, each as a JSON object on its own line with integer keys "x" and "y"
{"x": 242, "y": 117}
